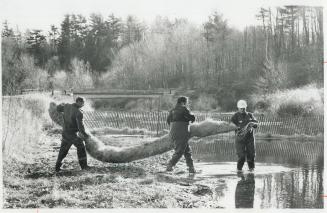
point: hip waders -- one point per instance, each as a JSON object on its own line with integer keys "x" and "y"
{"x": 245, "y": 150}
{"x": 180, "y": 135}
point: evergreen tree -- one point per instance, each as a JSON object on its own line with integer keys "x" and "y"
{"x": 65, "y": 51}
{"x": 37, "y": 47}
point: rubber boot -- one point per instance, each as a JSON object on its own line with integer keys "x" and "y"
{"x": 191, "y": 169}
{"x": 251, "y": 165}
{"x": 57, "y": 168}
{"x": 83, "y": 164}
{"x": 189, "y": 163}
{"x": 240, "y": 163}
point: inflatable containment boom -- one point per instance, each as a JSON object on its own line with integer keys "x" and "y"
{"x": 111, "y": 154}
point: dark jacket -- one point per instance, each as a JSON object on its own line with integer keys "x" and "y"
{"x": 180, "y": 114}
{"x": 73, "y": 118}
{"x": 242, "y": 119}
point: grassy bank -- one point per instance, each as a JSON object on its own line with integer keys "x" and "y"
{"x": 136, "y": 184}
{"x": 31, "y": 143}
{"x": 30, "y": 147}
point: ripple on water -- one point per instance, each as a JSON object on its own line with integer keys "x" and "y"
{"x": 216, "y": 169}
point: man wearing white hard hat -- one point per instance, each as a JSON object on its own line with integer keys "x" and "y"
{"x": 244, "y": 136}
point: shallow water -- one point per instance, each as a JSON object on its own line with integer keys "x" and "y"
{"x": 280, "y": 180}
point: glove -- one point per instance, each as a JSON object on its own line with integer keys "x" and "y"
{"x": 252, "y": 124}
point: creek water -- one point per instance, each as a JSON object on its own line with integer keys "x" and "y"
{"x": 288, "y": 174}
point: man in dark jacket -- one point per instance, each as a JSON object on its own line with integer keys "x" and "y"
{"x": 244, "y": 137}
{"x": 178, "y": 120}
{"x": 73, "y": 123}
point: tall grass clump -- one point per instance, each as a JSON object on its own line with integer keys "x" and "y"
{"x": 304, "y": 101}
{"x": 79, "y": 78}
{"x": 23, "y": 121}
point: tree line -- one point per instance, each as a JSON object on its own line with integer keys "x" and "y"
{"x": 284, "y": 51}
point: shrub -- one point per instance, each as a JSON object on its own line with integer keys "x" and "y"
{"x": 60, "y": 80}
{"x": 117, "y": 104}
{"x": 167, "y": 102}
{"x": 262, "y": 106}
{"x": 291, "y": 109}
{"x": 18, "y": 69}
{"x": 52, "y": 65}
{"x": 133, "y": 105}
{"x": 79, "y": 78}
{"x": 307, "y": 100}
{"x": 204, "y": 103}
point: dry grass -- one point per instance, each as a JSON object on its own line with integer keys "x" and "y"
{"x": 123, "y": 131}
{"x": 23, "y": 120}
{"x": 30, "y": 147}
{"x": 30, "y": 152}
{"x": 309, "y": 98}
{"x": 138, "y": 184}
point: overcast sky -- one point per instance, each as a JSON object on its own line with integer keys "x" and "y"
{"x": 40, "y": 14}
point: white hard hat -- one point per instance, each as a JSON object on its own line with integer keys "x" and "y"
{"x": 241, "y": 104}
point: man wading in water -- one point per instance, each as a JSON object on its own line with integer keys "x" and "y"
{"x": 244, "y": 137}
{"x": 178, "y": 120}
{"x": 73, "y": 123}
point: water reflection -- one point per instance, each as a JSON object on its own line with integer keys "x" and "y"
{"x": 244, "y": 193}
{"x": 285, "y": 176}
{"x": 299, "y": 188}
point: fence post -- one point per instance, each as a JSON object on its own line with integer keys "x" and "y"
{"x": 159, "y": 100}
{"x": 117, "y": 119}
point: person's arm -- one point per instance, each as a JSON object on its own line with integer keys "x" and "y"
{"x": 254, "y": 120}
{"x": 188, "y": 115}
{"x": 60, "y": 108}
{"x": 234, "y": 120}
{"x": 80, "y": 124}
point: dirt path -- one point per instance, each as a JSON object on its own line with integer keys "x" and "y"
{"x": 33, "y": 184}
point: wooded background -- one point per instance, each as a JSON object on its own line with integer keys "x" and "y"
{"x": 215, "y": 60}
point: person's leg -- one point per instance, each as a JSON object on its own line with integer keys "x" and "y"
{"x": 64, "y": 148}
{"x": 240, "y": 151}
{"x": 188, "y": 158}
{"x": 250, "y": 153}
{"x": 81, "y": 152}
{"x": 180, "y": 146}
{"x": 240, "y": 162}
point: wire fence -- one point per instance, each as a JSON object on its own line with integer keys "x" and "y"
{"x": 278, "y": 148}
{"x": 154, "y": 121}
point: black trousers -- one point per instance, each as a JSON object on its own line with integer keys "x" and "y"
{"x": 245, "y": 150}
{"x": 69, "y": 139}
{"x": 181, "y": 148}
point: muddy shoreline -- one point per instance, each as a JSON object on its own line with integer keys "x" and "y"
{"x": 139, "y": 184}
{"x": 30, "y": 181}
